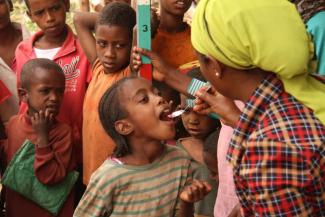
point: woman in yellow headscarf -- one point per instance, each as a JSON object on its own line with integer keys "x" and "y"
{"x": 259, "y": 52}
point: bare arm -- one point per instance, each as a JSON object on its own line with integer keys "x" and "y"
{"x": 84, "y": 23}
{"x": 162, "y": 71}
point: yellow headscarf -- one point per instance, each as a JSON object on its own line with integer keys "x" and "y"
{"x": 266, "y": 34}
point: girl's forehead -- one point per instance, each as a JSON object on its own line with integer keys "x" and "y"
{"x": 132, "y": 87}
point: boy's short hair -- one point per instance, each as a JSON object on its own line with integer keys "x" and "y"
{"x": 31, "y": 65}
{"x": 210, "y": 143}
{"x": 27, "y": 3}
{"x": 118, "y": 14}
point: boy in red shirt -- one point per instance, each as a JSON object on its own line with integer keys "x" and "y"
{"x": 57, "y": 42}
{"x": 42, "y": 88}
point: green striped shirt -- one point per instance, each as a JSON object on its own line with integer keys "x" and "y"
{"x": 124, "y": 190}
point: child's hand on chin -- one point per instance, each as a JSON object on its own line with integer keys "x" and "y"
{"x": 196, "y": 191}
{"x": 41, "y": 122}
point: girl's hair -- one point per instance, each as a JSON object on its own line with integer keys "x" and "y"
{"x": 110, "y": 110}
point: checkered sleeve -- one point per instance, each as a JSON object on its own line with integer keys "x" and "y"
{"x": 281, "y": 178}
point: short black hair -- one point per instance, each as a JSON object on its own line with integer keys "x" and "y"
{"x": 30, "y": 67}
{"x": 210, "y": 142}
{"x": 111, "y": 110}
{"x": 118, "y": 14}
{"x": 27, "y": 3}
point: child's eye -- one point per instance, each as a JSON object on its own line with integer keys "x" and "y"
{"x": 56, "y": 7}
{"x": 120, "y": 45}
{"x": 44, "y": 91}
{"x": 144, "y": 99}
{"x": 101, "y": 44}
{"x": 38, "y": 13}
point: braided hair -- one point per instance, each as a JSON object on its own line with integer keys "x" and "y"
{"x": 110, "y": 110}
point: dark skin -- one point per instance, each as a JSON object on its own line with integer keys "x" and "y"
{"x": 145, "y": 131}
{"x": 172, "y": 14}
{"x": 43, "y": 94}
{"x": 221, "y": 105}
{"x": 10, "y": 33}
{"x": 50, "y": 18}
{"x": 112, "y": 44}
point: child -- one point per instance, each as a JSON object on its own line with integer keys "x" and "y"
{"x": 173, "y": 38}
{"x": 56, "y": 41}
{"x": 10, "y": 36}
{"x": 199, "y": 127}
{"x": 109, "y": 54}
{"x": 144, "y": 177}
{"x": 42, "y": 88}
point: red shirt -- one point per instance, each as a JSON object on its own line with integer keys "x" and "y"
{"x": 4, "y": 92}
{"x": 77, "y": 72}
{"x": 51, "y": 164}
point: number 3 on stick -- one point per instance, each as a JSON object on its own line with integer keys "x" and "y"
{"x": 144, "y": 35}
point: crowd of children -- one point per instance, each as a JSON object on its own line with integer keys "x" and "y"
{"x": 78, "y": 99}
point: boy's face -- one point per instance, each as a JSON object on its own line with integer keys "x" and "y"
{"x": 175, "y": 7}
{"x": 212, "y": 164}
{"x": 4, "y": 13}
{"x": 196, "y": 125}
{"x": 147, "y": 111}
{"x": 49, "y": 15}
{"x": 45, "y": 91}
{"x": 113, "y": 46}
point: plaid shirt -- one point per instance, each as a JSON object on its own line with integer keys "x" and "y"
{"x": 278, "y": 155}
{"x": 308, "y": 8}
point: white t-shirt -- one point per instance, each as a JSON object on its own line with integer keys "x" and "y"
{"x": 46, "y": 53}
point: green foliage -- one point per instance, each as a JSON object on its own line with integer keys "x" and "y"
{"x": 19, "y": 15}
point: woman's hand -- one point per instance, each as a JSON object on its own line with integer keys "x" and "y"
{"x": 213, "y": 102}
{"x": 160, "y": 68}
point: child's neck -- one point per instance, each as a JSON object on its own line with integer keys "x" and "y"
{"x": 49, "y": 42}
{"x": 144, "y": 152}
{"x": 171, "y": 23}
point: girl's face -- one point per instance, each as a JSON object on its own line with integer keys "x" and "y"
{"x": 147, "y": 111}
{"x": 196, "y": 125}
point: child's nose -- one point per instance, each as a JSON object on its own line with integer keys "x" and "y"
{"x": 49, "y": 17}
{"x": 110, "y": 52}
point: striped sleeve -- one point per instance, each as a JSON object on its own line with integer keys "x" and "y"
{"x": 95, "y": 202}
{"x": 195, "y": 85}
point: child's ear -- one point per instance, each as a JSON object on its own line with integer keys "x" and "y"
{"x": 23, "y": 95}
{"x": 67, "y": 5}
{"x": 11, "y": 6}
{"x": 29, "y": 15}
{"x": 124, "y": 127}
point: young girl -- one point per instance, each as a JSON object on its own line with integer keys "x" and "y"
{"x": 144, "y": 177}
{"x": 199, "y": 127}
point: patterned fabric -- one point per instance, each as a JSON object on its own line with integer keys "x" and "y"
{"x": 151, "y": 190}
{"x": 307, "y": 8}
{"x": 278, "y": 155}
